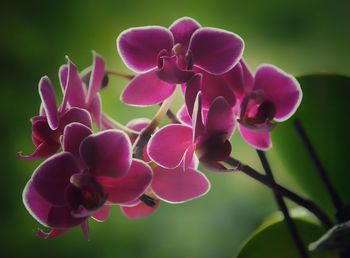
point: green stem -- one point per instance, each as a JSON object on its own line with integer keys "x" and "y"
{"x": 309, "y": 205}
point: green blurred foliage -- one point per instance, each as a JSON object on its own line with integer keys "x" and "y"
{"x": 323, "y": 114}
{"x": 272, "y": 238}
{"x": 301, "y": 37}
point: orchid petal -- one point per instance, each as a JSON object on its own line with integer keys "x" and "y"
{"x": 139, "y": 47}
{"x": 258, "y": 140}
{"x": 97, "y": 75}
{"x": 74, "y": 93}
{"x": 184, "y": 116}
{"x": 146, "y": 89}
{"x": 52, "y": 177}
{"x": 63, "y": 76}
{"x": 177, "y": 186}
{"x": 102, "y": 214}
{"x": 48, "y": 99}
{"x": 107, "y": 153}
{"x": 197, "y": 118}
{"x": 168, "y": 145}
{"x": 36, "y": 205}
{"x": 129, "y": 187}
{"x": 191, "y": 91}
{"x": 95, "y": 110}
{"x": 75, "y": 115}
{"x": 215, "y": 51}
{"x": 214, "y": 86}
{"x": 182, "y": 30}
{"x": 240, "y": 79}
{"x": 280, "y": 88}
{"x": 43, "y": 150}
{"x": 61, "y": 218}
{"x": 220, "y": 117}
{"x": 171, "y": 72}
{"x": 140, "y": 210}
{"x": 73, "y": 135}
{"x": 41, "y": 131}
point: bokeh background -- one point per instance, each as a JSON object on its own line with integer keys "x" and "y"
{"x": 301, "y": 37}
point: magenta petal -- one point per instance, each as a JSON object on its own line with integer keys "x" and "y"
{"x": 63, "y": 76}
{"x": 193, "y": 86}
{"x": 140, "y": 210}
{"x": 139, "y": 47}
{"x": 48, "y": 99}
{"x": 129, "y": 187}
{"x": 184, "y": 116}
{"x": 258, "y": 140}
{"x": 95, "y": 110}
{"x": 36, "y": 205}
{"x": 220, "y": 117}
{"x": 61, "y": 218}
{"x": 73, "y": 135}
{"x": 102, "y": 214}
{"x": 197, "y": 118}
{"x": 177, "y": 186}
{"x": 74, "y": 93}
{"x": 52, "y": 177}
{"x": 97, "y": 75}
{"x": 107, "y": 153}
{"x": 43, "y": 150}
{"x": 146, "y": 89}
{"x": 280, "y": 88}
{"x": 215, "y": 51}
{"x": 214, "y": 86}
{"x": 171, "y": 72}
{"x": 75, "y": 115}
{"x": 182, "y": 30}
{"x": 46, "y": 214}
{"x": 240, "y": 79}
{"x": 168, "y": 145}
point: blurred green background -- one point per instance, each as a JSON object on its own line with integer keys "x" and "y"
{"x": 301, "y": 37}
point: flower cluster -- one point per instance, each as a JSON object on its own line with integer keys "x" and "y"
{"x": 85, "y": 172}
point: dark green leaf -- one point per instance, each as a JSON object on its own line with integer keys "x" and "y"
{"x": 324, "y": 113}
{"x": 272, "y": 239}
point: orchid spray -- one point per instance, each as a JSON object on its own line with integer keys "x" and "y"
{"x": 91, "y": 163}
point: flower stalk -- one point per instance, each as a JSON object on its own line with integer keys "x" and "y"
{"x": 283, "y": 208}
{"x": 147, "y": 132}
{"x": 309, "y": 205}
{"x": 335, "y": 198}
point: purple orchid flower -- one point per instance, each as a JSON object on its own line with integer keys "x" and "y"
{"x": 273, "y": 96}
{"x": 48, "y": 127}
{"x": 174, "y": 185}
{"x": 93, "y": 170}
{"x": 209, "y": 139}
{"x": 83, "y": 91}
{"x": 166, "y": 57}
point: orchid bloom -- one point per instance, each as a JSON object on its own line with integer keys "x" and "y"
{"x": 93, "y": 170}
{"x": 166, "y": 57}
{"x": 208, "y": 138}
{"x": 48, "y": 127}
{"x": 273, "y": 96}
{"x": 170, "y": 185}
{"x": 83, "y": 91}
